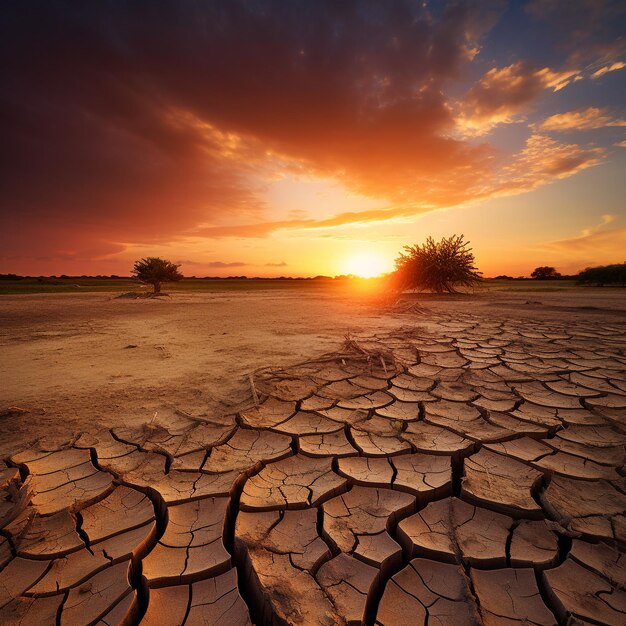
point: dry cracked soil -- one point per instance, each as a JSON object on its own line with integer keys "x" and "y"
{"x": 470, "y": 472}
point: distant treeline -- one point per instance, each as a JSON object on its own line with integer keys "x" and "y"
{"x": 614, "y": 274}
{"x": 605, "y": 275}
{"x": 52, "y": 278}
{"x": 61, "y": 277}
{"x": 528, "y": 278}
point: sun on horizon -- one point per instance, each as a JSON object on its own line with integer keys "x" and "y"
{"x": 366, "y": 264}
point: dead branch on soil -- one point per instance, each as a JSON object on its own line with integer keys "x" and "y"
{"x": 254, "y": 393}
{"x": 405, "y": 306}
{"x": 371, "y": 354}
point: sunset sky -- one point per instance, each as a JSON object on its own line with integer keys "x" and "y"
{"x": 310, "y": 137}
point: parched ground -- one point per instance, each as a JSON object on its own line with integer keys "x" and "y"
{"x": 458, "y": 464}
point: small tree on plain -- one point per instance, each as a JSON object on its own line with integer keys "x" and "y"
{"x": 545, "y": 273}
{"x": 154, "y": 271}
{"x": 441, "y": 266}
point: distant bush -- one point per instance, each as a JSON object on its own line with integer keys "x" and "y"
{"x": 604, "y": 275}
{"x": 545, "y": 273}
{"x": 48, "y": 280}
{"x": 436, "y": 266}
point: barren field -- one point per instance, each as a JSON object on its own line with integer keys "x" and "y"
{"x": 78, "y": 360}
{"x": 229, "y": 458}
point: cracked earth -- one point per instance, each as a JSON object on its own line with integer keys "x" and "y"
{"x": 471, "y": 473}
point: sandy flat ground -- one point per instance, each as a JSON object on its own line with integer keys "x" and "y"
{"x": 73, "y": 362}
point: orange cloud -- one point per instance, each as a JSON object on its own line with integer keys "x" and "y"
{"x": 502, "y": 93}
{"x": 581, "y": 119}
{"x": 617, "y": 65}
{"x": 264, "y": 229}
{"x": 542, "y": 161}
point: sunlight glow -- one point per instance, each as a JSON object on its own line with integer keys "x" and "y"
{"x": 366, "y": 264}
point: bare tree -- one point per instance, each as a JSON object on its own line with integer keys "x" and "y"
{"x": 436, "y": 266}
{"x": 154, "y": 271}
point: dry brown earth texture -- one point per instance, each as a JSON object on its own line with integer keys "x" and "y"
{"x": 470, "y": 471}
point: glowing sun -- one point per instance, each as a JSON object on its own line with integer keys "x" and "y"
{"x": 366, "y": 264}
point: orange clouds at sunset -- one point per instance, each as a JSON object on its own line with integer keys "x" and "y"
{"x": 283, "y": 138}
{"x": 590, "y": 118}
